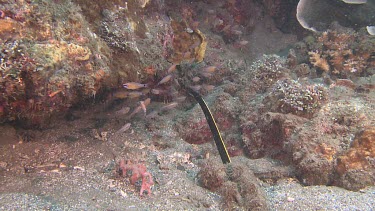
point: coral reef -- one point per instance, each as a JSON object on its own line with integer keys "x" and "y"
{"x": 289, "y": 96}
{"x": 235, "y": 182}
{"x": 347, "y": 53}
{"x": 233, "y": 19}
{"x": 305, "y": 111}
{"x": 338, "y": 53}
{"x": 41, "y": 73}
{"x": 224, "y": 110}
{"x": 299, "y": 115}
{"x": 78, "y": 50}
{"x": 188, "y": 44}
{"x": 356, "y": 167}
{"x": 272, "y": 132}
{"x": 266, "y": 71}
{"x": 315, "y": 148}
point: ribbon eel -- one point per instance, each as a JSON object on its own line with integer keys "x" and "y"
{"x": 214, "y": 129}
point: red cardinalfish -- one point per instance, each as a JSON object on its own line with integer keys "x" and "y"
{"x": 172, "y": 68}
{"x": 208, "y": 87}
{"x": 123, "y": 111}
{"x": 134, "y": 85}
{"x": 135, "y": 94}
{"x": 208, "y": 71}
{"x": 157, "y": 91}
{"x": 196, "y": 79}
{"x": 196, "y": 87}
{"x": 142, "y": 106}
{"x": 120, "y": 94}
{"x": 165, "y": 79}
{"x": 124, "y": 128}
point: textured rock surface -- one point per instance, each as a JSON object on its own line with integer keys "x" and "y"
{"x": 235, "y": 182}
{"x": 356, "y": 167}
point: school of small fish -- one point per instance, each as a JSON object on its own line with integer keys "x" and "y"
{"x": 135, "y": 90}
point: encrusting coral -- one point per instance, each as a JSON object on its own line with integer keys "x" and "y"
{"x": 290, "y": 96}
{"x": 357, "y": 163}
{"x": 343, "y": 54}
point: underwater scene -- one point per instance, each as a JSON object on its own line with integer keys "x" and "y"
{"x": 187, "y": 105}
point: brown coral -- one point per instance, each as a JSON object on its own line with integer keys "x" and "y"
{"x": 326, "y": 151}
{"x": 343, "y": 54}
{"x": 188, "y": 44}
{"x": 9, "y": 27}
{"x": 358, "y": 160}
{"x": 360, "y": 153}
{"x": 318, "y": 61}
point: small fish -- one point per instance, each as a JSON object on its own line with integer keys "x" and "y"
{"x": 143, "y": 106}
{"x": 165, "y": 79}
{"x": 209, "y": 69}
{"x": 123, "y": 111}
{"x": 208, "y": 87}
{"x": 136, "y": 110}
{"x": 237, "y": 32}
{"x": 169, "y": 106}
{"x": 54, "y": 93}
{"x": 226, "y": 28}
{"x": 146, "y": 91}
{"x": 240, "y": 44}
{"x": 147, "y": 101}
{"x": 180, "y": 99}
{"x": 135, "y": 94}
{"x": 196, "y": 87}
{"x": 124, "y": 128}
{"x": 157, "y": 91}
{"x": 121, "y": 94}
{"x": 206, "y": 74}
{"x": 134, "y": 85}
{"x": 210, "y": 11}
{"x": 243, "y": 42}
{"x": 196, "y": 79}
{"x": 172, "y": 68}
